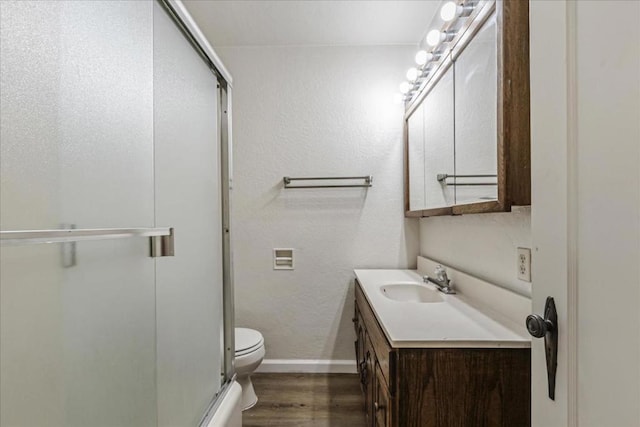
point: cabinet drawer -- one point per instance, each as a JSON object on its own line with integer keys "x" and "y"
{"x": 387, "y": 357}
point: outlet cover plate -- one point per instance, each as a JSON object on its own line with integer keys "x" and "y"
{"x": 524, "y": 264}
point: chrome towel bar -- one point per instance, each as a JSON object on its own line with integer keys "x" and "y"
{"x": 368, "y": 182}
{"x": 161, "y": 238}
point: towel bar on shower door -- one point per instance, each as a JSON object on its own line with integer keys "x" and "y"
{"x": 161, "y": 239}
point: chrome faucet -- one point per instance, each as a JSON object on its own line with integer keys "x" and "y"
{"x": 441, "y": 281}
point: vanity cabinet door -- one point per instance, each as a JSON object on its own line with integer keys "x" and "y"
{"x": 359, "y": 342}
{"x": 360, "y": 347}
{"x": 381, "y": 401}
{"x": 369, "y": 380}
{"x": 360, "y": 356}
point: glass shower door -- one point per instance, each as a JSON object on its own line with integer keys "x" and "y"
{"x": 77, "y": 320}
{"x": 188, "y": 198}
{"x": 109, "y": 119}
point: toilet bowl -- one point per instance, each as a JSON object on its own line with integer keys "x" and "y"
{"x": 249, "y": 355}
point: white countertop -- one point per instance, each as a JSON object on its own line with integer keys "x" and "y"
{"x": 456, "y": 322}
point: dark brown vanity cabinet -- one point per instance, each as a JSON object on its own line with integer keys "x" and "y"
{"x": 439, "y": 387}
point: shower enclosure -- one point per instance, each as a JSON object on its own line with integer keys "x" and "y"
{"x": 116, "y": 300}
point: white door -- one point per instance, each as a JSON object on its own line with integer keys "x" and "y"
{"x": 585, "y": 124}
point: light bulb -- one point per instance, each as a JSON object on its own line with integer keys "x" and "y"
{"x": 422, "y": 57}
{"x": 434, "y": 37}
{"x": 405, "y": 87}
{"x": 449, "y": 11}
{"x": 412, "y": 74}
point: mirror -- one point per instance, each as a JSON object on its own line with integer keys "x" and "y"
{"x": 439, "y": 142}
{"x": 415, "y": 138}
{"x": 452, "y": 134}
{"x": 430, "y": 134}
{"x": 476, "y": 125}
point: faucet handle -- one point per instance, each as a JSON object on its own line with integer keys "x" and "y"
{"x": 446, "y": 286}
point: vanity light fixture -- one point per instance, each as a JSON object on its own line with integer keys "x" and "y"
{"x": 450, "y": 11}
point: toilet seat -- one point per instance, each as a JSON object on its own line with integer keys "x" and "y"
{"x": 247, "y": 341}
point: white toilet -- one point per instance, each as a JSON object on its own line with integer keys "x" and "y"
{"x": 249, "y": 355}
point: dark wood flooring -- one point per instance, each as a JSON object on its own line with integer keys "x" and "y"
{"x": 318, "y": 400}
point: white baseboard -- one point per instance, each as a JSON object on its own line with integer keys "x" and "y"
{"x": 317, "y": 366}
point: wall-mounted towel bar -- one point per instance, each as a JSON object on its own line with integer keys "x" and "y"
{"x": 368, "y": 182}
{"x": 161, "y": 238}
{"x": 442, "y": 177}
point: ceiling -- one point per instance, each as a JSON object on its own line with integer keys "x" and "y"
{"x": 312, "y": 22}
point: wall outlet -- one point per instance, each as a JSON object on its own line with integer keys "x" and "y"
{"x": 524, "y": 264}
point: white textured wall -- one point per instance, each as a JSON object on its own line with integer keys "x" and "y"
{"x": 483, "y": 245}
{"x": 315, "y": 111}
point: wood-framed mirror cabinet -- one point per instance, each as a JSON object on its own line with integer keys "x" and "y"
{"x": 466, "y": 127}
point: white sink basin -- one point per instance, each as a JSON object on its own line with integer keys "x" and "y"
{"x": 410, "y": 292}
